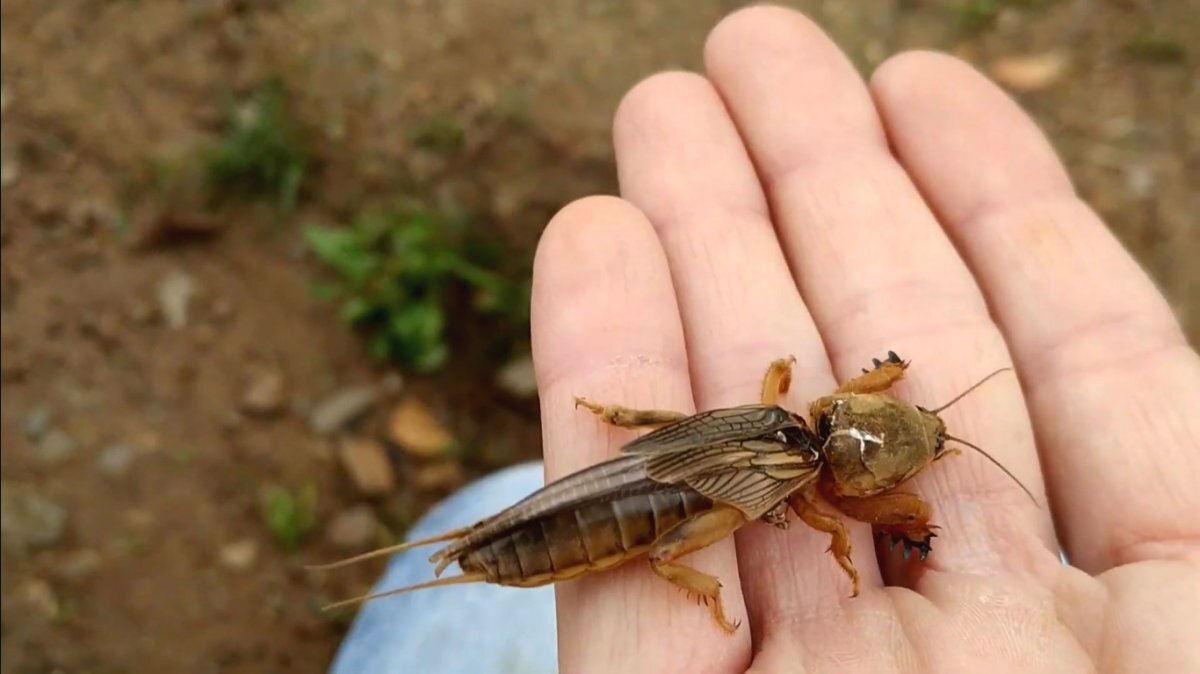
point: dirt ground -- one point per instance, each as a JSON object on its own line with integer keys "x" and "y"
{"x": 134, "y": 465}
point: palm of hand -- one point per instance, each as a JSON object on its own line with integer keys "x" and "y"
{"x": 779, "y": 207}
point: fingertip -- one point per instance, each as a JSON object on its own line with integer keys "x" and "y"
{"x": 759, "y": 24}
{"x": 963, "y": 139}
{"x": 654, "y": 101}
{"x": 600, "y": 284}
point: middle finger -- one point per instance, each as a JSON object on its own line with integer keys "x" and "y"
{"x": 877, "y": 272}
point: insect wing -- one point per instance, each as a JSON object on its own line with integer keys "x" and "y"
{"x": 616, "y": 476}
{"x": 752, "y": 491}
{"x": 714, "y": 427}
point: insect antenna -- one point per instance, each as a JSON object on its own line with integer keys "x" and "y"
{"x": 974, "y": 386}
{"x": 997, "y": 464}
{"x": 450, "y": 535}
{"x": 455, "y": 580}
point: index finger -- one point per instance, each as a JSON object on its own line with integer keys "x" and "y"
{"x": 606, "y": 326}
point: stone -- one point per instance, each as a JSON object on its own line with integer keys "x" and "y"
{"x": 264, "y": 395}
{"x": 354, "y": 528}
{"x": 55, "y": 447}
{"x": 367, "y": 464}
{"x": 517, "y": 377}
{"x": 238, "y": 556}
{"x": 413, "y": 427}
{"x": 28, "y": 519}
{"x": 115, "y": 459}
{"x": 175, "y": 292}
{"x": 37, "y": 421}
{"x": 441, "y": 476}
{"x": 338, "y": 410}
{"x": 1031, "y": 72}
{"x": 79, "y": 565}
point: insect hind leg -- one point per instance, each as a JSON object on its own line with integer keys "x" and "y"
{"x": 694, "y": 534}
{"x": 625, "y": 417}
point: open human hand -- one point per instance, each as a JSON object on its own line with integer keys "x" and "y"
{"x": 780, "y": 206}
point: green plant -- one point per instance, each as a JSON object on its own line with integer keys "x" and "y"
{"x": 261, "y": 152}
{"x": 289, "y": 515}
{"x": 977, "y": 15}
{"x": 1154, "y": 47}
{"x": 395, "y": 271}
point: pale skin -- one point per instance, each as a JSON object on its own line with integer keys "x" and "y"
{"x": 777, "y": 204}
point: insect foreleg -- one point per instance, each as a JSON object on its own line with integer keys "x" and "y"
{"x": 902, "y": 516}
{"x": 778, "y": 380}
{"x": 625, "y": 417}
{"x": 886, "y": 373}
{"x": 698, "y": 532}
{"x": 839, "y": 546}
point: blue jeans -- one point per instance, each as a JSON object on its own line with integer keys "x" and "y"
{"x": 462, "y": 628}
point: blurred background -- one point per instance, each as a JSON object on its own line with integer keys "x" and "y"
{"x": 266, "y": 265}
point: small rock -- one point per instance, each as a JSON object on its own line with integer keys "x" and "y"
{"x": 1031, "y": 72}
{"x": 37, "y": 421}
{"x": 141, "y": 312}
{"x": 10, "y": 172}
{"x": 391, "y": 384}
{"x": 55, "y": 447}
{"x": 354, "y": 528}
{"x": 264, "y": 393}
{"x": 28, "y": 519}
{"x": 205, "y": 335}
{"x": 38, "y": 597}
{"x": 413, "y": 427}
{"x": 79, "y": 565}
{"x": 115, "y": 459}
{"x": 439, "y": 476}
{"x": 222, "y": 309}
{"x": 175, "y": 293}
{"x": 1140, "y": 180}
{"x": 517, "y": 377}
{"x": 104, "y": 328}
{"x": 367, "y": 464}
{"x": 239, "y": 556}
{"x": 337, "y": 411}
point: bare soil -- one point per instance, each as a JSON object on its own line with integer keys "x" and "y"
{"x": 121, "y": 560}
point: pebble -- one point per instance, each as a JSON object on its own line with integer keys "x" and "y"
{"x": 413, "y": 427}
{"x": 1030, "y": 72}
{"x": 115, "y": 459}
{"x": 28, "y": 519}
{"x": 517, "y": 377}
{"x": 367, "y": 464}
{"x": 79, "y": 565}
{"x": 337, "y": 411}
{"x": 264, "y": 393}
{"x": 37, "y": 595}
{"x": 175, "y": 293}
{"x": 438, "y": 476}
{"x": 55, "y": 446}
{"x": 354, "y": 528}
{"x": 239, "y": 556}
{"x": 37, "y": 421}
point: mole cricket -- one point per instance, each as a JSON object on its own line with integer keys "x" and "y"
{"x": 696, "y": 479}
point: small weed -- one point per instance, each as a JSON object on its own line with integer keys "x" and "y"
{"x": 1153, "y": 47}
{"x": 395, "y": 271}
{"x": 977, "y": 15}
{"x": 290, "y": 515}
{"x": 439, "y": 134}
{"x": 261, "y": 153}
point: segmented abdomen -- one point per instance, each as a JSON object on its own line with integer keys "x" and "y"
{"x": 595, "y": 535}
